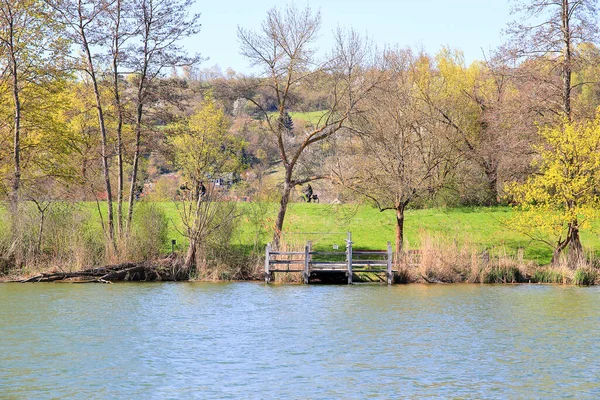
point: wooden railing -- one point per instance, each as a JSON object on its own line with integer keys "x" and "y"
{"x": 310, "y": 262}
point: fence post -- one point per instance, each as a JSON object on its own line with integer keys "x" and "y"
{"x": 267, "y": 259}
{"x": 307, "y": 251}
{"x": 349, "y": 256}
{"x": 390, "y": 274}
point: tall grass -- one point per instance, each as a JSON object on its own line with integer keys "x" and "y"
{"x": 288, "y": 277}
{"x": 442, "y": 260}
{"x": 455, "y": 245}
{"x": 446, "y": 260}
{"x": 71, "y": 239}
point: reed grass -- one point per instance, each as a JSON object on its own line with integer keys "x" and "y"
{"x": 447, "y": 261}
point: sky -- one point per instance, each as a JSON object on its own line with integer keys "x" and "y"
{"x": 473, "y": 26}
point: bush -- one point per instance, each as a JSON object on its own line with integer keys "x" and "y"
{"x": 149, "y": 233}
{"x": 502, "y": 274}
{"x": 585, "y": 276}
{"x": 549, "y": 275}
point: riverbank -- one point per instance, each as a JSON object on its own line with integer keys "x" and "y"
{"x": 433, "y": 268}
{"x": 441, "y": 245}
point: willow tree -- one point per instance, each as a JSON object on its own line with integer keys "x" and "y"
{"x": 284, "y": 51}
{"x": 562, "y": 198}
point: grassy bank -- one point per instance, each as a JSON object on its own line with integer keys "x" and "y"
{"x": 447, "y": 236}
{"x": 484, "y": 228}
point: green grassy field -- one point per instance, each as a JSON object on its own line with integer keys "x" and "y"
{"x": 311, "y": 117}
{"x": 326, "y": 225}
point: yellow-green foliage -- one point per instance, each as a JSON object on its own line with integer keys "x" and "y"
{"x": 46, "y": 142}
{"x": 564, "y": 191}
{"x": 203, "y": 146}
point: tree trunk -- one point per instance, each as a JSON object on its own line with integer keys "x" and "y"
{"x": 567, "y": 68}
{"x": 190, "y": 256}
{"x": 285, "y": 198}
{"x": 119, "y": 108}
{"x": 104, "y": 135}
{"x": 41, "y": 232}
{"x": 16, "y": 184}
{"x": 573, "y": 242}
{"x": 575, "y": 248}
{"x": 121, "y": 177}
{"x": 558, "y": 251}
{"x": 194, "y": 235}
{"x": 400, "y": 229}
{"x": 492, "y": 181}
{"x": 138, "y": 140}
{"x": 15, "y": 249}
{"x": 136, "y": 162}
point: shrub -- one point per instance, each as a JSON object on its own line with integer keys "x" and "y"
{"x": 149, "y": 233}
{"x": 550, "y": 275}
{"x": 585, "y": 276}
{"x": 502, "y": 274}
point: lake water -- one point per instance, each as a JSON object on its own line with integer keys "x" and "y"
{"x": 249, "y": 340}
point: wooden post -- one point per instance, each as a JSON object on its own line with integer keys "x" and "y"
{"x": 390, "y": 274}
{"x": 307, "y": 250}
{"x": 267, "y": 258}
{"x": 349, "y": 256}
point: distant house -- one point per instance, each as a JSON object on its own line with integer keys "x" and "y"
{"x": 225, "y": 179}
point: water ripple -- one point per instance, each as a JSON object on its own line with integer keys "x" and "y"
{"x": 248, "y": 340}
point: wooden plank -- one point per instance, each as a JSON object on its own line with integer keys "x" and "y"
{"x": 329, "y": 262}
{"x": 328, "y": 265}
{"x": 271, "y": 262}
{"x": 328, "y": 253}
{"x": 287, "y": 270}
{"x": 287, "y": 253}
{"x": 390, "y": 254}
{"x": 378, "y": 252}
{"x": 340, "y": 268}
{"x": 376, "y": 271}
{"x": 349, "y": 257}
{"x": 378, "y": 262}
{"x": 267, "y": 257}
{"x": 307, "y": 261}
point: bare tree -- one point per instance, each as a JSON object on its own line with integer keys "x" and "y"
{"x": 202, "y": 216}
{"x": 477, "y": 103}
{"x": 552, "y": 30}
{"x": 83, "y": 18}
{"x": 284, "y": 50}
{"x": 161, "y": 25}
{"x": 398, "y": 155}
{"x": 118, "y": 21}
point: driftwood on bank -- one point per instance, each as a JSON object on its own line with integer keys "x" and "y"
{"x": 168, "y": 269}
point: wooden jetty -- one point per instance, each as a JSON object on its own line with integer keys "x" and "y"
{"x": 318, "y": 263}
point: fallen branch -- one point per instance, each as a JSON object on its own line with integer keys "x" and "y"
{"x": 163, "y": 270}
